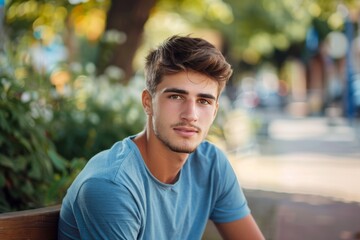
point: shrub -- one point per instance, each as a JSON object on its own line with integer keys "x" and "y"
{"x": 94, "y": 114}
{"x": 28, "y": 159}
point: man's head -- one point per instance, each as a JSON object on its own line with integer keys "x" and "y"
{"x": 184, "y": 78}
{"x": 179, "y": 54}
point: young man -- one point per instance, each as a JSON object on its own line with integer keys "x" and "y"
{"x": 167, "y": 181}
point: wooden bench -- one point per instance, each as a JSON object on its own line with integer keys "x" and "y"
{"x": 36, "y": 224}
{"x": 42, "y": 224}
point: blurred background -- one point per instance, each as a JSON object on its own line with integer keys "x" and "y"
{"x": 71, "y": 74}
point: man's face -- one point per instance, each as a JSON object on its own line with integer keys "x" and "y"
{"x": 183, "y": 109}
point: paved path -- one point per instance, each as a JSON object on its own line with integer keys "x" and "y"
{"x": 302, "y": 179}
{"x": 283, "y": 216}
{"x": 304, "y": 156}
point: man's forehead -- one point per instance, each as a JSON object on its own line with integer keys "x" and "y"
{"x": 190, "y": 83}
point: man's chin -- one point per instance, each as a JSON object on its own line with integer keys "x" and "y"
{"x": 187, "y": 151}
{"x": 179, "y": 145}
{"x": 182, "y": 149}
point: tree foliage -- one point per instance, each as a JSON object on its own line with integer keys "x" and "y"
{"x": 55, "y": 113}
{"x": 256, "y": 30}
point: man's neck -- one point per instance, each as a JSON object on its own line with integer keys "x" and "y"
{"x": 163, "y": 163}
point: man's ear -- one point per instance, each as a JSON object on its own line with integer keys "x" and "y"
{"x": 147, "y": 102}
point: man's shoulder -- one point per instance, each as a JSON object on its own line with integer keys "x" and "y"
{"x": 210, "y": 155}
{"x": 111, "y": 169}
{"x": 208, "y": 148}
{"x": 117, "y": 152}
{"x": 108, "y": 163}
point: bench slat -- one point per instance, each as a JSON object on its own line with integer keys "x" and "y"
{"x": 34, "y": 224}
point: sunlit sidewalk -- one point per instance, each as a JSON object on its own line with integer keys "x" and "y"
{"x": 306, "y": 155}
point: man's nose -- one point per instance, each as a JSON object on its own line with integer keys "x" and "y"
{"x": 189, "y": 111}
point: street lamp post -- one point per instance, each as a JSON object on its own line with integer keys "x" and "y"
{"x": 349, "y": 101}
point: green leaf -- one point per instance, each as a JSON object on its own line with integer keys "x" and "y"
{"x": 24, "y": 142}
{"x": 4, "y": 122}
{"x": 2, "y": 180}
{"x": 6, "y": 162}
{"x": 27, "y": 188}
{"x": 57, "y": 160}
{"x": 21, "y": 163}
{"x": 35, "y": 171}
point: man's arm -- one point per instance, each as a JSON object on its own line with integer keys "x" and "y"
{"x": 243, "y": 229}
{"x": 106, "y": 211}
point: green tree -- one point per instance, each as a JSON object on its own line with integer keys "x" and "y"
{"x": 127, "y": 17}
{"x": 258, "y": 30}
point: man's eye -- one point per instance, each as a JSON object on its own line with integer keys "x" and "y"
{"x": 175, "y": 97}
{"x": 204, "y": 101}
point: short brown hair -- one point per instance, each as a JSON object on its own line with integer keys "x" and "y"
{"x": 179, "y": 54}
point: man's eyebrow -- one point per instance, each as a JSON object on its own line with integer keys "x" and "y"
{"x": 175, "y": 90}
{"x": 205, "y": 95}
{"x": 182, "y": 91}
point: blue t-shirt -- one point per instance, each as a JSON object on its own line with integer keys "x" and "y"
{"x": 116, "y": 197}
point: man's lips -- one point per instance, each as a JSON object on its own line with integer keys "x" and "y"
{"x": 186, "y": 131}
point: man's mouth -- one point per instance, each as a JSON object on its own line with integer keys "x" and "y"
{"x": 186, "y": 130}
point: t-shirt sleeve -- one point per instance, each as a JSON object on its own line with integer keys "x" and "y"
{"x": 230, "y": 201}
{"x": 105, "y": 210}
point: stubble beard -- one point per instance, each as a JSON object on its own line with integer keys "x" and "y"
{"x": 178, "y": 148}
